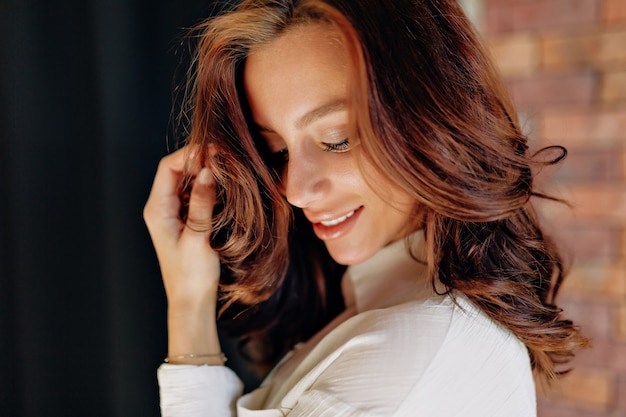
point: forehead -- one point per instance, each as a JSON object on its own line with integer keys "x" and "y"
{"x": 316, "y": 37}
{"x": 310, "y": 46}
{"x": 306, "y": 64}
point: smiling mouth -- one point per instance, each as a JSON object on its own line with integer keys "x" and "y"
{"x": 338, "y": 220}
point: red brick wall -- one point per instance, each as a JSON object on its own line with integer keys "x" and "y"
{"x": 564, "y": 62}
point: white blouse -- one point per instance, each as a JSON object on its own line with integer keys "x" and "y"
{"x": 398, "y": 349}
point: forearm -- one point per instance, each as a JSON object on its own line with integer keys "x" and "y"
{"x": 188, "y": 387}
{"x": 190, "y": 270}
{"x": 192, "y": 330}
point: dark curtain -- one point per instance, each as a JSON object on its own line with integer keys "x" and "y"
{"x": 86, "y": 93}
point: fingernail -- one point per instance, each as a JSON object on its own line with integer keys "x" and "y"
{"x": 205, "y": 177}
{"x": 213, "y": 149}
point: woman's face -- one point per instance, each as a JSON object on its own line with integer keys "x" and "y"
{"x": 297, "y": 88}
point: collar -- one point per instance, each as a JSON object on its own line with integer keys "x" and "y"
{"x": 388, "y": 278}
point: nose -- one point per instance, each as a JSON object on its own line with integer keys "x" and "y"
{"x": 304, "y": 181}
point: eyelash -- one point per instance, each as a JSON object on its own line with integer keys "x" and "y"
{"x": 280, "y": 158}
{"x": 342, "y": 146}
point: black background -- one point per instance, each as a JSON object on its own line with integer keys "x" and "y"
{"x": 86, "y": 95}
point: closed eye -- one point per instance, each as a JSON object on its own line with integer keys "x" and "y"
{"x": 342, "y": 146}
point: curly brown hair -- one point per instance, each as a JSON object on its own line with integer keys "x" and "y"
{"x": 433, "y": 117}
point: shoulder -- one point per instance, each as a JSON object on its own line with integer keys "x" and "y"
{"x": 405, "y": 336}
{"x": 424, "y": 332}
{"x": 412, "y": 354}
{"x": 425, "y": 320}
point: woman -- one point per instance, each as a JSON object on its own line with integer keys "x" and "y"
{"x": 373, "y": 135}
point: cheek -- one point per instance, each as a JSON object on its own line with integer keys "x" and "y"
{"x": 388, "y": 194}
{"x": 376, "y": 184}
{"x": 345, "y": 173}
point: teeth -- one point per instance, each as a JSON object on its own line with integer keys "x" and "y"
{"x": 339, "y": 220}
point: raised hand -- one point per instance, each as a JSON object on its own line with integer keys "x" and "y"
{"x": 189, "y": 267}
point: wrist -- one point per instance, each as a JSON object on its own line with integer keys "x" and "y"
{"x": 211, "y": 359}
{"x": 191, "y": 303}
{"x": 192, "y": 331}
{"x": 188, "y": 318}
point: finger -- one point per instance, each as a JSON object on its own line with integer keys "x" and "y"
{"x": 196, "y": 158}
{"x": 163, "y": 202}
{"x": 201, "y": 202}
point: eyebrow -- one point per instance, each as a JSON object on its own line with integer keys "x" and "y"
{"x": 312, "y": 116}
{"x": 320, "y": 112}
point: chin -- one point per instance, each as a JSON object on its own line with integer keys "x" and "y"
{"x": 349, "y": 255}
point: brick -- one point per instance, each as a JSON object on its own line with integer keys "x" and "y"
{"x": 620, "y": 320}
{"x": 596, "y": 280}
{"x": 547, "y": 409}
{"x": 613, "y": 11}
{"x": 546, "y": 90}
{"x": 536, "y": 15}
{"x": 534, "y": 42}
{"x": 602, "y": 355}
{"x": 590, "y": 242}
{"x": 588, "y": 164}
{"x": 550, "y": 409}
{"x": 597, "y": 50}
{"x": 621, "y": 394}
{"x": 585, "y": 387}
{"x": 618, "y": 357}
{"x": 516, "y": 55}
{"x": 583, "y": 127}
{"x": 598, "y": 202}
{"x": 555, "y": 215}
{"x": 613, "y": 87}
{"x": 594, "y": 317}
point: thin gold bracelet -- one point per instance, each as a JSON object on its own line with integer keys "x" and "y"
{"x": 196, "y": 356}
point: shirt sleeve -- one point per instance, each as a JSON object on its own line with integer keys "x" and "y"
{"x": 198, "y": 391}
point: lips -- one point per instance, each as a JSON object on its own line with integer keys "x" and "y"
{"x": 338, "y": 220}
{"x": 335, "y": 227}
